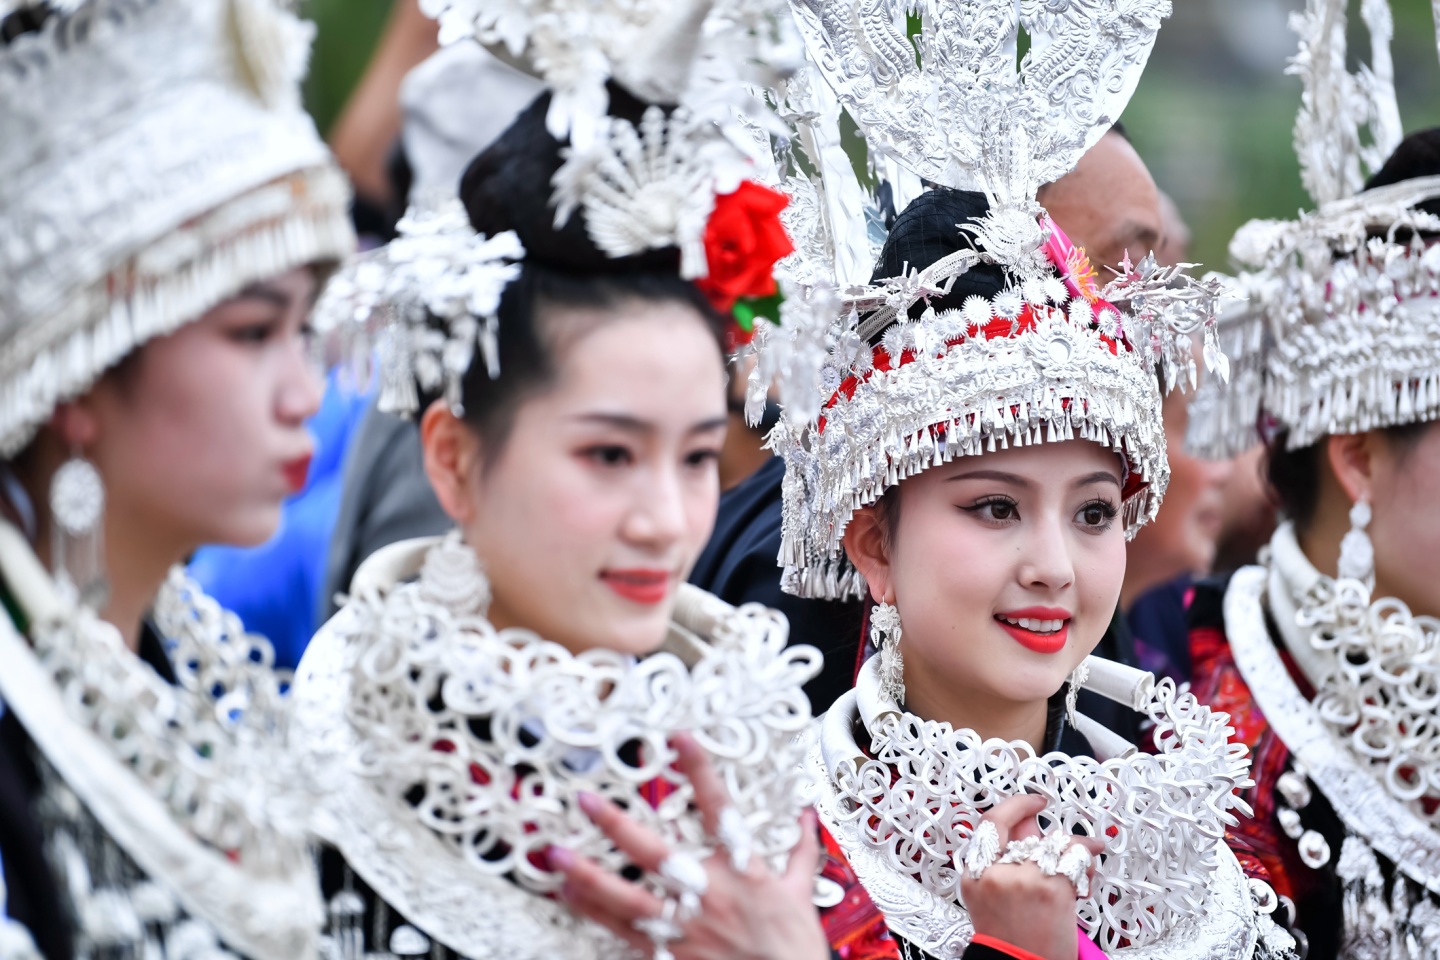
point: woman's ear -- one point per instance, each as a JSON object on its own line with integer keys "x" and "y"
{"x": 452, "y": 454}
{"x": 75, "y": 424}
{"x": 865, "y": 545}
{"x": 1352, "y": 460}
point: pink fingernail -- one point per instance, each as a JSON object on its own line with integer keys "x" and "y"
{"x": 559, "y": 858}
{"x": 589, "y": 802}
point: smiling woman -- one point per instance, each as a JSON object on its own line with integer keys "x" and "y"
{"x": 1007, "y": 568}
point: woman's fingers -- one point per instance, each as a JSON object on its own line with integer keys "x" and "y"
{"x": 586, "y": 882}
{"x": 805, "y": 858}
{"x": 644, "y": 848}
{"x": 1014, "y": 818}
{"x": 711, "y": 797}
{"x": 585, "y": 907}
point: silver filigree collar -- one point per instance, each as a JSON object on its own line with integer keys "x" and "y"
{"x": 1164, "y": 834}
{"x": 191, "y": 781}
{"x": 454, "y": 750}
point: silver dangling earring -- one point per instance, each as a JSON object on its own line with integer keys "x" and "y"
{"x": 1357, "y": 553}
{"x": 77, "y": 524}
{"x": 885, "y": 635}
{"x": 1072, "y": 692}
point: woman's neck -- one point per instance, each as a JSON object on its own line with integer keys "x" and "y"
{"x": 930, "y": 695}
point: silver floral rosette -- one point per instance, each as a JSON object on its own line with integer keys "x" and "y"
{"x": 454, "y": 751}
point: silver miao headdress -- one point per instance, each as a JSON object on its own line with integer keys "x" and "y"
{"x": 138, "y": 190}
{"x": 1057, "y": 354}
{"x": 1338, "y": 332}
{"x": 640, "y": 186}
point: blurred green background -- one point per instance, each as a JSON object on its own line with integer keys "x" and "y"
{"x": 1212, "y": 116}
{"x": 1214, "y": 112}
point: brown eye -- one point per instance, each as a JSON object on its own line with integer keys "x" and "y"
{"x": 996, "y": 510}
{"x": 1098, "y": 514}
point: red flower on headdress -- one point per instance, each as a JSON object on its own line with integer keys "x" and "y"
{"x": 744, "y": 239}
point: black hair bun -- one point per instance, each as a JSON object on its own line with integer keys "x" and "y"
{"x": 508, "y": 187}
{"x": 1418, "y": 155}
{"x": 927, "y": 231}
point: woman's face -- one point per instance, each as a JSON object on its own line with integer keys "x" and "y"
{"x": 1005, "y": 569}
{"x": 590, "y": 517}
{"x": 1405, "y": 522}
{"x": 201, "y": 435}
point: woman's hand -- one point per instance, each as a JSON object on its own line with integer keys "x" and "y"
{"x": 752, "y": 914}
{"x": 1016, "y": 902}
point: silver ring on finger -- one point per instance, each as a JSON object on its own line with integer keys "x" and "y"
{"x": 735, "y": 835}
{"x": 662, "y": 929}
{"x": 686, "y": 879}
{"x": 982, "y": 850}
{"x": 1074, "y": 866}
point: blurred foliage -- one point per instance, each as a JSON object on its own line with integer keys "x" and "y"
{"x": 347, "y": 32}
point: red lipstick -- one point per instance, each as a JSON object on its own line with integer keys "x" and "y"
{"x": 639, "y": 585}
{"x": 297, "y": 471}
{"x": 1048, "y": 639}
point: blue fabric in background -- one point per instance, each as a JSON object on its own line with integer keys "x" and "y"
{"x": 274, "y": 587}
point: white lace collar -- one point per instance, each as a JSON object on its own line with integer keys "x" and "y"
{"x": 410, "y": 690}
{"x": 1362, "y": 657}
{"x": 192, "y": 784}
{"x": 1167, "y": 891}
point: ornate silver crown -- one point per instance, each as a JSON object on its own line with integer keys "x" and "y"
{"x": 1338, "y": 334}
{"x": 1057, "y": 354}
{"x": 154, "y": 159}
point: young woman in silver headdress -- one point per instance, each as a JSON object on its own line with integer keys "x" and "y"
{"x": 484, "y": 703}
{"x": 1327, "y": 653}
{"x": 985, "y": 434}
{"x": 167, "y": 207}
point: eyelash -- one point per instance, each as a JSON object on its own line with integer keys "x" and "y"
{"x": 980, "y": 506}
{"x": 609, "y": 455}
{"x": 1108, "y": 513}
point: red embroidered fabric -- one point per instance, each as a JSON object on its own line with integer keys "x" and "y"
{"x": 1263, "y": 850}
{"x": 855, "y": 927}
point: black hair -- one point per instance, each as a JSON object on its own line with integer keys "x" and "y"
{"x": 508, "y": 187}
{"x": 1294, "y": 475}
{"x": 928, "y": 230}
{"x": 1418, "y": 155}
{"x": 925, "y": 232}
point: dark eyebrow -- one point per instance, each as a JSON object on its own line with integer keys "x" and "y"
{"x": 1099, "y": 476}
{"x": 629, "y": 424}
{"x": 266, "y": 294}
{"x": 998, "y": 476}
